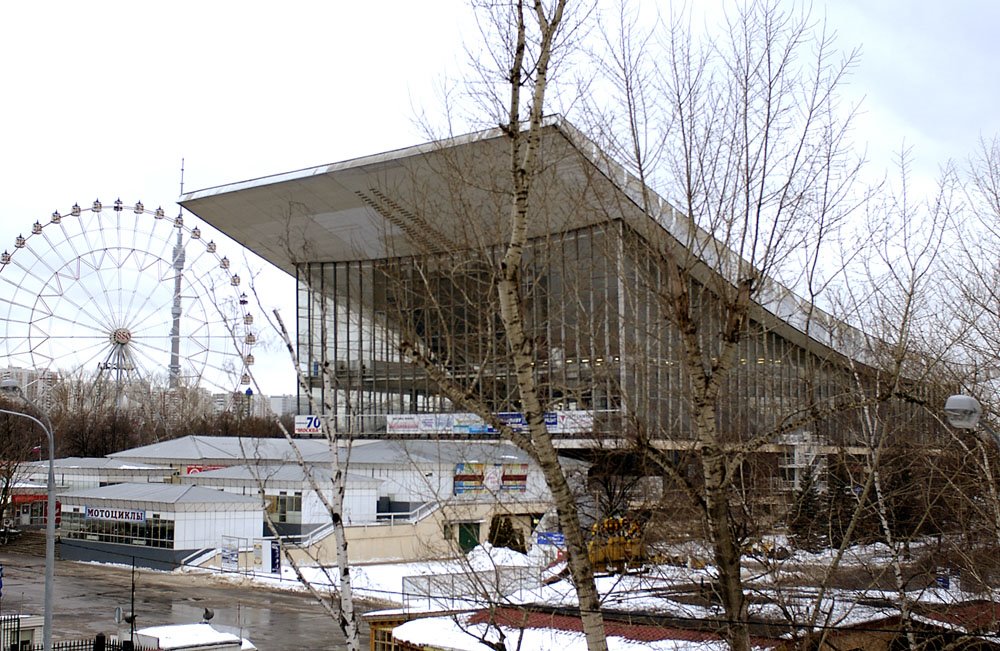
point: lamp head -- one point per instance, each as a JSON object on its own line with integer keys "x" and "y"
{"x": 962, "y": 412}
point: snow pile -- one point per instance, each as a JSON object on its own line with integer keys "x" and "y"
{"x": 487, "y": 557}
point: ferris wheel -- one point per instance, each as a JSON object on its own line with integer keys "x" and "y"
{"x": 124, "y": 298}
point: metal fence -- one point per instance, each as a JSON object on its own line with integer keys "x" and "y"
{"x": 99, "y": 643}
{"x": 10, "y": 630}
{"x": 451, "y": 590}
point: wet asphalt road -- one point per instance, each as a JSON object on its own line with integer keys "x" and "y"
{"x": 86, "y": 596}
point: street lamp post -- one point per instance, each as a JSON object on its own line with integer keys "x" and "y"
{"x": 10, "y": 386}
{"x": 963, "y": 412}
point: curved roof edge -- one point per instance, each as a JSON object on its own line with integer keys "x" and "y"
{"x": 353, "y": 163}
{"x": 776, "y": 299}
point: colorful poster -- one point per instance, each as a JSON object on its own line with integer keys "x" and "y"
{"x": 481, "y": 478}
{"x": 556, "y": 422}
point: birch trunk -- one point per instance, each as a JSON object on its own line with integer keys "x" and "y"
{"x": 548, "y": 459}
{"x": 344, "y": 613}
{"x": 524, "y": 141}
{"x": 726, "y": 550}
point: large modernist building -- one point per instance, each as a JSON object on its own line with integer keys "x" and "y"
{"x": 403, "y": 246}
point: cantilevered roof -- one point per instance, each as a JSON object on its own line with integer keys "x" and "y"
{"x": 454, "y": 194}
{"x": 433, "y": 196}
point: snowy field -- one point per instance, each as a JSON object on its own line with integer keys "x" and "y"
{"x": 653, "y": 589}
{"x": 782, "y": 589}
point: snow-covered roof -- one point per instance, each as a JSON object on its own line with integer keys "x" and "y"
{"x": 233, "y": 451}
{"x": 186, "y": 636}
{"x": 285, "y": 473}
{"x": 29, "y": 485}
{"x": 549, "y": 631}
{"x": 223, "y": 449}
{"x": 425, "y": 452}
{"x": 159, "y": 494}
{"x": 91, "y": 463}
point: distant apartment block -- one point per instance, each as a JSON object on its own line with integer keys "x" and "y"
{"x": 286, "y": 405}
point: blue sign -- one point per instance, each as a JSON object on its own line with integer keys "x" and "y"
{"x": 551, "y": 538}
{"x": 275, "y": 557}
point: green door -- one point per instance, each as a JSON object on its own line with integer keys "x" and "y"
{"x": 468, "y": 535}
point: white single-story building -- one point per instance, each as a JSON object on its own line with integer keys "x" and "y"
{"x": 438, "y": 496}
{"x": 157, "y": 525}
{"x": 416, "y": 472}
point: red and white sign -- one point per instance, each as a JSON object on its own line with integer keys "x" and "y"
{"x": 308, "y": 425}
{"x": 194, "y": 470}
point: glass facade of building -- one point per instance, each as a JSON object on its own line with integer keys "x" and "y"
{"x": 153, "y": 531}
{"x": 603, "y": 338}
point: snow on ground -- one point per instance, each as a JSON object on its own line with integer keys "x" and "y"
{"x": 648, "y": 590}
{"x": 657, "y": 589}
{"x": 487, "y": 557}
{"x": 382, "y": 582}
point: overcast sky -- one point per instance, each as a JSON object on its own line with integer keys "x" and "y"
{"x": 104, "y": 99}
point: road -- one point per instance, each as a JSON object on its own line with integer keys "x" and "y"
{"x": 86, "y": 596}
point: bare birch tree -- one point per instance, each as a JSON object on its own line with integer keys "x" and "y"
{"x": 742, "y": 126}
{"x": 528, "y": 38}
{"x": 524, "y": 143}
{"x": 969, "y": 316}
{"x": 973, "y": 299}
{"x": 330, "y": 494}
{"x": 330, "y": 485}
